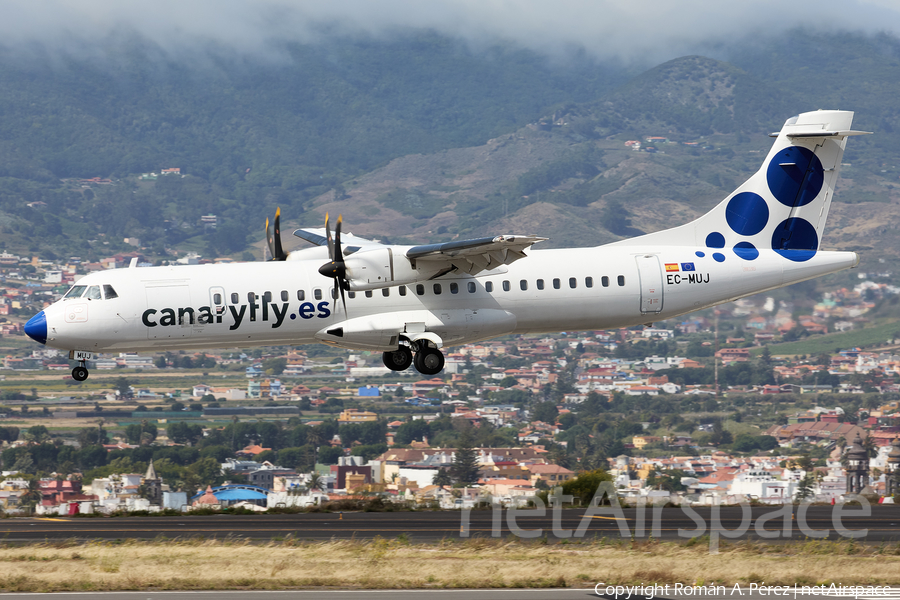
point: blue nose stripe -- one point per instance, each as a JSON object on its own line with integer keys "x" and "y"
{"x": 36, "y": 328}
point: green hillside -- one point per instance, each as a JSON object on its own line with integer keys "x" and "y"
{"x": 319, "y": 130}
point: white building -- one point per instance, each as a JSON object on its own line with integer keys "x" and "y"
{"x": 763, "y": 486}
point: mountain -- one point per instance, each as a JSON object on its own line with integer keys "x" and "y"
{"x": 422, "y": 138}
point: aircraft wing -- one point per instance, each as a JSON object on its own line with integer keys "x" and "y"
{"x": 474, "y": 256}
{"x": 351, "y": 243}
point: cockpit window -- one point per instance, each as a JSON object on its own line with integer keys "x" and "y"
{"x": 93, "y": 293}
{"x": 108, "y": 292}
{"x": 76, "y": 291}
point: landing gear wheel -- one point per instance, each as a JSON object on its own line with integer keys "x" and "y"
{"x": 79, "y": 373}
{"x": 429, "y": 361}
{"x": 398, "y": 360}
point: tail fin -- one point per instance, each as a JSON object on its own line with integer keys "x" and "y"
{"x": 784, "y": 205}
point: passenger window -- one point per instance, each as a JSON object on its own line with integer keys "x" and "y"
{"x": 267, "y": 297}
{"x": 489, "y": 286}
{"x": 93, "y": 293}
{"x": 454, "y": 288}
{"x": 235, "y": 298}
{"x": 217, "y": 298}
{"x": 437, "y": 289}
{"x": 471, "y": 286}
{"x": 368, "y": 293}
{"x": 604, "y": 281}
{"x": 540, "y": 284}
{"x": 351, "y": 295}
{"x": 385, "y": 292}
{"x": 505, "y": 285}
{"x": 108, "y": 292}
{"x": 402, "y": 290}
{"x": 573, "y": 282}
{"x": 556, "y": 284}
{"x": 317, "y": 293}
{"x": 284, "y": 296}
{"x": 301, "y": 295}
{"x": 251, "y": 297}
{"x": 334, "y": 292}
{"x": 588, "y": 282}
{"x": 523, "y": 285}
{"x": 76, "y": 291}
{"x": 420, "y": 289}
{"x": 621, "y": 280}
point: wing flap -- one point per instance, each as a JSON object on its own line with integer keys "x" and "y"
{"x": 474, "y": 256}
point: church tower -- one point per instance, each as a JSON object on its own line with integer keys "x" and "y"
{"x": 152, "y": 486}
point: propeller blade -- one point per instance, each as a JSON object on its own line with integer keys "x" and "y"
{"x": 336, "y": 268}
{"x": 277, "y": 250}
{"x": 343, "y": 298}
{"x": 269, "y": 240}
{"x": 338, "y": 253}
{"x": 328, "y": 238}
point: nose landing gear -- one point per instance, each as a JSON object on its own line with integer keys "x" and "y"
{"x": 428, "y": 360}
{"x": 80, "y": 373}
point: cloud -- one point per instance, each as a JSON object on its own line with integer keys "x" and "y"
{"x": 638, "y": 29}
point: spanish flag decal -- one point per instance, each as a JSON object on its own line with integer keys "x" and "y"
{"x": 671, "y": 267}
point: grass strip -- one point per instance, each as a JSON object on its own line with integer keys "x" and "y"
{"x": 198, "y": 564}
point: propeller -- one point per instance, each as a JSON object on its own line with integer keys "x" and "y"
{"x": 273, "y": 238}
{"x": 336, "y": 268}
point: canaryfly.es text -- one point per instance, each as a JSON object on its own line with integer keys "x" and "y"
{"x": 235, "y": 314}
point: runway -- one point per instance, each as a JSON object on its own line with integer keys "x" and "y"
{"x": 728, "y": 523}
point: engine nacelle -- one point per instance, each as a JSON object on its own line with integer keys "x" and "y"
{"x": 382, "y": 267}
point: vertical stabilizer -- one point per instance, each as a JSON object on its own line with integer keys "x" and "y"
{"x": 784, "y": 205}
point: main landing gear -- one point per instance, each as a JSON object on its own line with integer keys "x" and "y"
{"x": 80, "y": 373}
{"x": 428, "y": 360}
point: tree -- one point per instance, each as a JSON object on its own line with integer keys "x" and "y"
{"x": 720, "y": 435}
{"x": 315, "y": 482}
{"x": 416, "y": 430}
{"x": 805, "y": 487}
{"x": 546, "y": 412}
{"x": 275, "y": 365}
{"x": 669, "y": 480}
{"x": 9, "y": 434}
{"x": 442, "y": 478}
{"x": 329, "y": 455}
{"x": 123, "y": 387}
{"x": 32, "y": 497}
{"x": 184, "y": 433}
{"x": 208, "y": 471}
{"x": 585, "y": 485}
{"x": 465, "y": 462}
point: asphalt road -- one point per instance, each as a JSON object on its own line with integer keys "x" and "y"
{"x": 883, "y": 524}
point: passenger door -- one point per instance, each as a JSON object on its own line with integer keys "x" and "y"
{"x": 650, "y": 276}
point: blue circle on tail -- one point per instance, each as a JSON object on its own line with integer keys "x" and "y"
{"x": 715, "y": 240}
{"x": 747, "y": 213}
{"x": 795, "y": 239}
{"x": 795, "y": 176}
{"x": 746, "y": 250}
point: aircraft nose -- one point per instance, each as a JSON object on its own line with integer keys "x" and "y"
{"x": 36, "y": 328}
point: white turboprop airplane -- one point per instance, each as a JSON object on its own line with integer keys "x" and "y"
{"x": 410, "y": 301}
